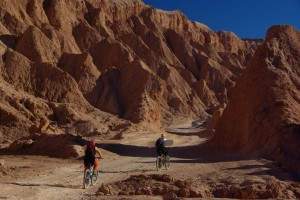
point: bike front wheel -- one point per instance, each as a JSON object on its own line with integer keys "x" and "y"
{"x": 86, "y": 179}
{"x": 94, "y": 178}
{"x": 158, "y": 163}
{"x": 167, "y": 162}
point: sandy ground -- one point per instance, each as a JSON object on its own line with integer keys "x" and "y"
{"x": 40, "y": 177}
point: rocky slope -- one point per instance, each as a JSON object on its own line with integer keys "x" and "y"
{"x": 122, "y": 57}
{"x": 263, "y": 114}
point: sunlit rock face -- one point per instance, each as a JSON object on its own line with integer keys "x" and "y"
{"x": 122, "y": 57}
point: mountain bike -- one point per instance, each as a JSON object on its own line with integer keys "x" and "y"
{"x": 163, "y": 160}
{"x": 89, "y": 177}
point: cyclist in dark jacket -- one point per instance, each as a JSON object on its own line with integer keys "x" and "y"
{"x": 160, "y": 146}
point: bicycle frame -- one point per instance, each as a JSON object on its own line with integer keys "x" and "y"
{"x": 89, "y": 176}
{"x": 162, "y": 160}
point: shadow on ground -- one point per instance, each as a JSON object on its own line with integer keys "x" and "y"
{"x": 200, "y": 132}
{"x": 187, "y": 154}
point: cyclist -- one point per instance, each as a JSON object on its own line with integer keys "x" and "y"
{"x": 90, "y": 151}
{"x": 160, "y": 146}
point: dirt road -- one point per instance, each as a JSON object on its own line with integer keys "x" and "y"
{"x": 39, "y": 177}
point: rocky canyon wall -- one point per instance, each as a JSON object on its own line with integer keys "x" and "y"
{"x": 263, "y": 114}
{"x": 122, "y": 57}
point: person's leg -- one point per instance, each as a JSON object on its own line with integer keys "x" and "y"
{"x": 85, "y": 167}
{"x": 166, "y": 152}
{"x": 96, "y": 165}
{"x": 158, "y": 152}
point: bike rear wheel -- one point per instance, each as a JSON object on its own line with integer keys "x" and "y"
{"x": 158, "y": 163}
{"x": 167, "y": 162}
{"x": 86, "y": 179}
{"x": 94, "y": 178}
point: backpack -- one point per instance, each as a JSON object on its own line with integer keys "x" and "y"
{"x": 159, "y": 143}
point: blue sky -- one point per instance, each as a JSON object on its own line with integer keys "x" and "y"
{"x": 246, "y": 18}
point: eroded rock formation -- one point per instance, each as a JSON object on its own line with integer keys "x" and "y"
{"x": 264, "y": 114}
{"x": 122, "y": 57}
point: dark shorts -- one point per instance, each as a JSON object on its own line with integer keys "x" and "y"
{"x": 162, "y": 150}
{"x": 89, "y": 161}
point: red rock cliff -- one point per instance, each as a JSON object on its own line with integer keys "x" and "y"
{"x": 264, "y": 112}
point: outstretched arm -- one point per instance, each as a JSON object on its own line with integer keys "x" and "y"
{"x": 99, "y": 152}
